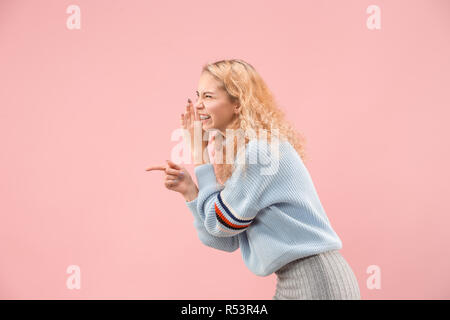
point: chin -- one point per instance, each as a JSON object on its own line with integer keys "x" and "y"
{"x": 208, "y": 126}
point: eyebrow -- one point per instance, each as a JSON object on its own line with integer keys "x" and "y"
{"x": 205, "y": 92}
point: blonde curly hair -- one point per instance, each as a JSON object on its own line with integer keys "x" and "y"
{"x": 259, "y": 110}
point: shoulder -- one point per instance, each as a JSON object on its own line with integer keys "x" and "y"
{"x": 270, "y": 151}
{"x": 268, "y": 157}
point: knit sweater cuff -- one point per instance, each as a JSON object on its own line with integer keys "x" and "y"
{"x": 205, "y": 176}
{"x": 192, "y": 205}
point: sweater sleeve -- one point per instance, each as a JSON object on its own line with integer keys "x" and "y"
{"x": 228, "y": 244}
{"x": 228, "y": 211}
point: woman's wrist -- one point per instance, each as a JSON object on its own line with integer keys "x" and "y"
{"x": 200, "y": 153}
{"x": 191, "y": 194}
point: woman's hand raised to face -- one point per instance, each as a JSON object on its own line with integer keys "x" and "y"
{"x": 191, "y": 123}
{"x": 178, "y": 179}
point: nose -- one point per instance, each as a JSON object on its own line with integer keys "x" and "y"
{"x": 199, "y": 105}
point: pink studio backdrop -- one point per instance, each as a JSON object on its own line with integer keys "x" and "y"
{"x": 83, "y": 112}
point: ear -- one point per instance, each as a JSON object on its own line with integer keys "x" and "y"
{"x": 237, "y": 108}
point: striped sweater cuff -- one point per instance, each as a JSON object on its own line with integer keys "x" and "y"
{"x": 228, "y": 217}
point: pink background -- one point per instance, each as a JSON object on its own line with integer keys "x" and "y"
{"x": 84, "y": 112}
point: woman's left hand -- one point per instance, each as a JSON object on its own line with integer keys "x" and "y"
{"x": 191, "y": 123}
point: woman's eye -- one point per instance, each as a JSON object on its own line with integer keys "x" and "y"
{"x": 208, "y": 96}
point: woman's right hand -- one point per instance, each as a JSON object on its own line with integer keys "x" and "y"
{"x": 190, "y": 121}
{"x": 178, "y": 179}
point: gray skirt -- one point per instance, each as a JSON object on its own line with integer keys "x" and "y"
{"x": 323, "y": 276}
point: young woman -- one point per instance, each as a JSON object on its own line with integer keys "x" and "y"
{"x": 268, "y": 208}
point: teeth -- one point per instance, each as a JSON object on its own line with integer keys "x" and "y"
{"x": 204, "y": 117}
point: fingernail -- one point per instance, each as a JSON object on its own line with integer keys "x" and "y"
{"x": 189, "y": 100}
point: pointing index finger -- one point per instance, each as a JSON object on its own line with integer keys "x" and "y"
{"x": 156, "y": 168}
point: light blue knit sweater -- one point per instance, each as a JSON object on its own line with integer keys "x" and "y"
{"x": 270, "y": 210}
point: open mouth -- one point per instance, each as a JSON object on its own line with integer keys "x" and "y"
{"x": 204, "y": 117}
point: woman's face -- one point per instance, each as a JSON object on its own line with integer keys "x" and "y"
{"x": 214, "y": 102}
